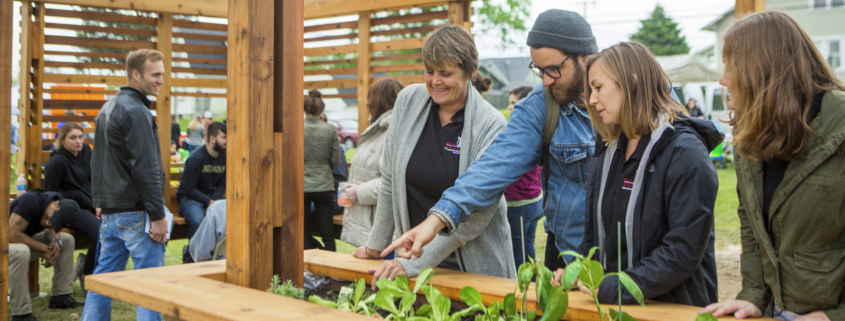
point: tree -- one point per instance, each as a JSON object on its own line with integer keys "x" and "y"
{"x": 504, "y": 19}
{"x": 661, "y": 34}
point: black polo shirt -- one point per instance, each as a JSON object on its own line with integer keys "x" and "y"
{"x": 434, "y": 165}
{"x": 617, "y": 192}
{"x": 31, "y": 206}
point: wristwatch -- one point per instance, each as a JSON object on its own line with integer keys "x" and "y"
{"x": 57, "y": 240}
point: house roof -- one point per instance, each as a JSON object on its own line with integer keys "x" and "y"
{"x": 711, "y": 26}
{"x": 511, "y": 72}
{"x": 686, "y": 69}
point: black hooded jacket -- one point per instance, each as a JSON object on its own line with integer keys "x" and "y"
{"x": 672, "y": 233}
{"x": 70, "y": 176}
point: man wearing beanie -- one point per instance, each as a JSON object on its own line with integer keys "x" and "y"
{"x": 560, "y": 42}
{"x": 31, "y": 237}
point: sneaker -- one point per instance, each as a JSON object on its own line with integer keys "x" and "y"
{"x": 64, "y": 302}
{"x": 24, "y": 317}
{"x": 186, "y": 255}
{"x": 80, "y": 271}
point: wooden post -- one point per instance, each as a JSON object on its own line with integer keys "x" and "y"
{"x": 37, "y": 51}
{"x": 364, "y": 24}
{"x": 6, "y": 32}
{"x": 25, "y": 80}
{"x": 164, "y": 44}
{"x": 746, "y": 7}
{"x": 288, "y": 141}
{"x": 249, "y": 191}
{"x": 459, "y": 13}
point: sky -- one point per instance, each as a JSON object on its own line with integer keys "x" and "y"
{"x": 614, "y": 21}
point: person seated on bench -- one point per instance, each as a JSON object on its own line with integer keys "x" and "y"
{"x": 209, "y": 233}
{"x": 69, "y": 173}
{"x": 204, "y": 178}
{"x": 31, "y": 237}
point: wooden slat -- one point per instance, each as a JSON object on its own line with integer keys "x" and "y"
{"x": 200, "y": 71}
{"x": 403, "y": 31}
{"x": 56, "y": 130}
{"x": 330, "y": 8}
{"x": 186, "y": 94}
{"x": 121, "y": 56}
{"x": 331, "y": 62}
{"x": 199, "y": 36}
{"x": 79, "y": 91}
{"x": 332, "y": 26}
{"x": 327, "y": 38}
{"x": 164, "y": 44}
{"x": 333, "y": 71}
{"x": 100, "y": 16}
{"x": 198, "y": 25}
{"x": 364, "y": 27}
{"x": 7, "y": 8}
{"x": 200, "y": 49}
{"x": 411, "y": 56}
{"x": 51, "y": 142}
{"x": 339, "y": 84}
{"x": 396, "y": 68}
{"x": 73, "y": 104}
{"x": 425, "y": 16}
{"x": 351, "y": 95}
{"x": 199, "y": 82}
{"x": 70, "y": 118}
{"x": 84, "y": 79}
{"x": 332, "y": 50}
{"x": 111, "y": 30}
{"x": 211, "y": 8}
{"x": 38, "y": 80}
{"x": 99, "y": 43}
{"x": 411, "y": 43}
{"x": 405, "y": 80}
{"x": 201, "y": 61}
{"x": 24, "y": 157}
{"x": 84, "y": 65}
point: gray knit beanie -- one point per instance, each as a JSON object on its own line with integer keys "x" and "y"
{"x": 564, "y": 30}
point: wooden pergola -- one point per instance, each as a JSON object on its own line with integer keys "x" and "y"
{"x": 265, "y": 67}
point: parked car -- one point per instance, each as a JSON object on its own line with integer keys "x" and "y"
{"x": 347, "y": 130}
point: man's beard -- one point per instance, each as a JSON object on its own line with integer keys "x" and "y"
{"x": 571, "y": 91}
{"x": 218, "y": 148}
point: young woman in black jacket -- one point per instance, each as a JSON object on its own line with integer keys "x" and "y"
{"x": 652, "y": 173}
{"x": 69, "y": 173}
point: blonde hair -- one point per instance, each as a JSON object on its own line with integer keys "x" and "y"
{"x": 645, "y": 90}
{"x": 195, "y": 122}
{"x": 64, "y": 131}
{"x": 775, "y": 71}
{"x": 450, "y": 45}
{"x": 136, "y": 60}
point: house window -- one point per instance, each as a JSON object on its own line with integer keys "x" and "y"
{"x": 819, "y": 4}
{"x": 826, "y": 4}
{"x": 834, "y": 57}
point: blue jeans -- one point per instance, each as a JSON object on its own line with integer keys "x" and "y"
{"x": 193, "y": 212}
{"x": 530, "y": 214}
{"x": 122, "y": 235}
{"x": 192, "y": 148}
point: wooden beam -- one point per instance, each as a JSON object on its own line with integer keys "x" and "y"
{"x": 364, "y": 29}
{"x": 200, "y": 49}
{"x": 330, "y": 8}
{"x": 99, "y": 43}
{"x": 212, "y": 8}
{"x": 338, "y": 83}
{"x": 187, "y": 94}
{"x": 182, "y": 23}
{"x": 6, "y": 35}
{"x": 405, "y": 80}
{"x": 743, "y": 8}
{"x": 164, "y": 44}
{"x": 84, "y": 65}
{"x": 412, "y": 56}
{"x": 396, "y": 68}
{"x": 119, "y": 56}
{"x": 73, "y": 104}
{"x": 331, "y": 50}
{"x": 199, "y": 82}
{"x": 333, "y": 71}
{"x": 425, "y": 16}
{"x": 402, "y": 44}
{"x": 25, "y": 81}
{"x": 72, "y": 119}
{"x": 100, "y": 16}
{"x": 93, "y": 90}
{"x": 83, "y": 79}
{"x": 250, "y": 132}
{"x": 201, "y": 61}
{"x": 111, "y": 30}
{"x": 459, "y": 13}
{"x": 37, "y": 56}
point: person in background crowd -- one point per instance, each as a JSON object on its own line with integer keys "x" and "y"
{"x": 128, "y": 181}
{"x": 68, "y": 112}
{"x": 175, "y": 157}
{"x": 560, "y": 42}
{"x": 322, "y": 152}
{"x": 175, "y": 130}
{"x": 437, "y": 130}
{"x": 195, "y": 133}
{"x": 481, "y": 83}
{"x": 210, "y": 232}
{"x": 365, "y": 174}
{"x": 86, "y": 124}
{"x": 31, "y": 237}
{"x": 524, "y": 197}
{"x": 693, "y": 110}
{"x": 789, "y": 138}
{"x": 207, "y": 119}
{"x": 69, "y": 173}
{"x": 204, "y": 178}
{"x": 652, "y": 175}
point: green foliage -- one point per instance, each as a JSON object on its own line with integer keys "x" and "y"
{"x": 504, "y": 19}
{"x": 351, "y": 299}
{"x": 661, "y": 34}
{"x": 705, "y": 317}
{"x": 285, "y": 289}
{"x": 591, "y": 274}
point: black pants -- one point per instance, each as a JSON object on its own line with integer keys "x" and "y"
{"x": 323, "y": 214}
{"x": 552, "y": 261}
{"x": 89, "y": 225}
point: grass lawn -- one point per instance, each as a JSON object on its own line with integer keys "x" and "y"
{"x": 727, "y": 233}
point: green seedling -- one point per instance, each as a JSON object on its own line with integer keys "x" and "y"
{"x": 351, "y": 299}
{"x": 591, "y": 275}
{"x": 285, "y": 289}
{"x": 706, "y": 317}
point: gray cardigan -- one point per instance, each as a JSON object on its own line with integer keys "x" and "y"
{"x": 482, "y": 244}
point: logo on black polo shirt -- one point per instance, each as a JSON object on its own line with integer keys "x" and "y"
{"x": 454, "y": 148}
{"x": 627, "y": 184}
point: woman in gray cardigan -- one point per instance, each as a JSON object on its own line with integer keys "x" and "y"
{"x": 437, "y": 131}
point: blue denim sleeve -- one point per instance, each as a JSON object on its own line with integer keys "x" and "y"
{"x": 514, "y": 152}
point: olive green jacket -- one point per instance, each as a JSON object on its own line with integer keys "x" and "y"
{"x": 322, "y": 152}
{"x": 800, "y": 264}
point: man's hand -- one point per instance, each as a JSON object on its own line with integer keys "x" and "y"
{"x": 362, "y": 252}
{"x": 558, "y": 275}
{"x": 210, "y": 202}
{"x": 352, "y": 193}
{"x": 815, "y": 316}
{"x": 99, "y": 214}
{"x": 158, "y": 230}
{"x": 389, "y": 269}
{"x": 413, "y": 241}
{"x": 739, "y": 308}
{"x": 585, "y": 289}
{"x": 47, "y": 258}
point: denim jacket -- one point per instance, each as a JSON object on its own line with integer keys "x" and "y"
{"x": 518, "y": 149}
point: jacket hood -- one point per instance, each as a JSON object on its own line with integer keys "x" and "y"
{"x": 705, "y": 130}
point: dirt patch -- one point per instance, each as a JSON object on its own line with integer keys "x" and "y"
{"x": 727, "y": 269}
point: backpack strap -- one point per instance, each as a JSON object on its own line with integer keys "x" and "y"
{"x": 552, "y": 116}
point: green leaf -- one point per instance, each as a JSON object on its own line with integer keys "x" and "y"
{"x": 624, "y": 316}
{"x": 543, "y": 285}
{"x": 571, "y": 253}
{"x": 424, "y": 310}
{"x": 370, "y": 298}
{"x": 465, "y": 312}
{"x": 359, "y": 290}
{"x": 531, "y": 315}
{"x": 407, "y": 303}
{"x": 445, "y": 305}
{"x": 706, "y": 317}
{"x": 494, "y": 310}
{"x": 387, "y": 285}
{"x": 318, "y": 300}
{"x": 509, "y": 305}
{"x": 526, "y": 272}
{"x": 471, "y": 296}
{"x": 592, "y": 251}
{"x": 629, "y": 284}
{"x": 591, "y": 274}
{"x": 557, "y": 305}
{"x": 402, "y": 283}
{"x": 423, "y": 279}
{"x": 571, "y": 273}
{"x": 385, "y": 301}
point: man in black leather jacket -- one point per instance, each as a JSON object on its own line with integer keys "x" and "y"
{"x": 128, "y": 180}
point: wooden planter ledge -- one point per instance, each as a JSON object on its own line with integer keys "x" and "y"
{"x": 198, "y": 292}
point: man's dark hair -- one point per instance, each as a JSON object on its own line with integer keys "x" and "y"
{"x": 521, "y": 92}
{"x": 215, "y": 128}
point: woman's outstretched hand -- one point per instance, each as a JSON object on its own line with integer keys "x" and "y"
{"x": 412, "y": 242}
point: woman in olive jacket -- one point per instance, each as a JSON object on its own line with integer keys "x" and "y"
{"x": 789, "y": 136}
{"x": 322, "y": 152}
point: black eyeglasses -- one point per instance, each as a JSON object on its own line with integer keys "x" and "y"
{"x": 553, "y": 72}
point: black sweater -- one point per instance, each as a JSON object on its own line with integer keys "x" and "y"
{"x": 204, "y": 178}
{"x": 70, "y": 176}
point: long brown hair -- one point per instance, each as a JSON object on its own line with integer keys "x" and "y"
{"x": 195, "y": 122}
{"x": 64, "y": 131}
{"x": 775, "y": 71}
{"x": 382, "y": 96}
{"x": 645, "y": 90}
